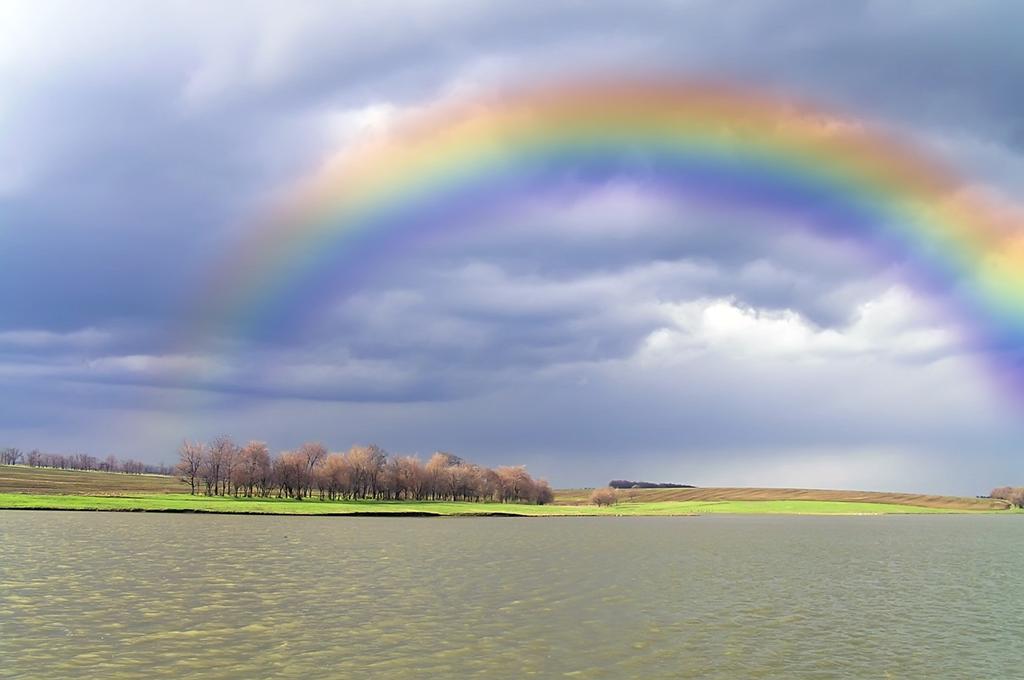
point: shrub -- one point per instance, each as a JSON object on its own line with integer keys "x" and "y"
{"x": 605, "y": 496}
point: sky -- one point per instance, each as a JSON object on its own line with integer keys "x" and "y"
{"x": 608, "y": 332}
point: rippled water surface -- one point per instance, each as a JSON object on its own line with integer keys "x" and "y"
{"x": 151, "y": 596}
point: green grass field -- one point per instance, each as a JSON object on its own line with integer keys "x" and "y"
{"x": 22, "y": 487}
{"x": 187, "y": 503}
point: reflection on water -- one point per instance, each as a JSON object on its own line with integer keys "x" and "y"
{"x": 149, "y": 596}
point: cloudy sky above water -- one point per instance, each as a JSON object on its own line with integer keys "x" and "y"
{"x": 607, "y": 333}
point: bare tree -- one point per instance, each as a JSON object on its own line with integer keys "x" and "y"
{"x": 409, "y": 477}
{"x": 253, "y": 468}
{"x": 82, "y": 461}
{"x": 289, "y": 469}
{"x": 543, "y": 495}
{"x": 228, "y": 464}
{"x": 190, "y": 462}
{"x": 10, "y": 456}
{"x": 605, "y": 496}
{"x": 1017, "y": 497}
{"x": 131, "y": 467}
{"x": 515, "y": 483}
{"x": 313, "y": 455}
{"x": 1014, "y": 495}
{"x": 220, "y": 454}
{"x": 335, "y": 475}
{"x": 435, "y": 473}
{"x": 1002, "y": 492}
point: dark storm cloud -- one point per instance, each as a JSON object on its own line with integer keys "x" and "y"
{"x": 140, "y": 140}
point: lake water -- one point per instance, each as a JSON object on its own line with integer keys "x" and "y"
{"x": 152, "y": 596}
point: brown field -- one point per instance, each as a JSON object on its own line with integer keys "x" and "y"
{"x": 24, "y": 479}
{"x": 577, "y": 496}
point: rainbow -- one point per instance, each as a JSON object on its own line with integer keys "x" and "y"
{"x": 460, "y": 162}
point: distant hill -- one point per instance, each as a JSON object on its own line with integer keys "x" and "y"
{"x": 626, "y": 484}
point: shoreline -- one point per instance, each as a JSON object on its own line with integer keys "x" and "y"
{"x": 488, "y": 514}
{"x": 256, "y": 513}
{"x": 218, "y": 505}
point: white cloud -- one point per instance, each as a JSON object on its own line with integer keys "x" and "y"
{"x": 892, "y": 324}
{"x": 176, "y": 367}
{"x": 347, "y": 126}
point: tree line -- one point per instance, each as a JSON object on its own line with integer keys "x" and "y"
{"x": 626, "y": 484}
{"x": 78, "y": 461}
{"x": 222, "y": 468}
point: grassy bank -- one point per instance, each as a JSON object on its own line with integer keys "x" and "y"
{"x": 187, "y": 503}
{"x": 22, "y": 487}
